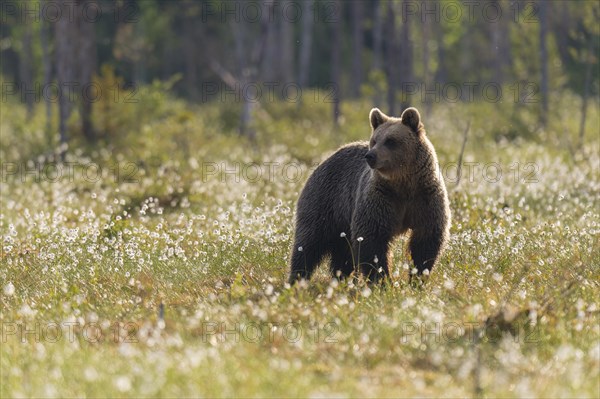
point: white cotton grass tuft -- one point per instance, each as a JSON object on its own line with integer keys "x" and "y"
{"x": 269, "y": 290}
{"x": 123, "y": 383}
{"x": 449, "y": 284}
{"x": 9, "y": 289}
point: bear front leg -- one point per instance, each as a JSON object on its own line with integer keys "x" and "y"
{"x": 425, "y": 248}
{"x": 371, "y": 254}
{"x": 371, "y": 236}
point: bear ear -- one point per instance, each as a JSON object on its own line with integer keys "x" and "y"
{"x": 411, "y": 118}
{"x": 377, "y": 118}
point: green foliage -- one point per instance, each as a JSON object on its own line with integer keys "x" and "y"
{"x": 120, "y": 109}
{"x": 375, "y": 86}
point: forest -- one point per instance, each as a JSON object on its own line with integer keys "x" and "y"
{"x": 152, "y": 156}
{"x": 85, "y": 53}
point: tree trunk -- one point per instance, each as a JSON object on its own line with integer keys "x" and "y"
{"x": 378, "y": 25}
{"x": 425, "y": 31}
{"x": 406, "y": 57}
{"x": 561, "y": 32}
{"x": 335, "y": 60}
{"x": 543, "y": 61}
{"x": 65, "y": 35}
{"x": 239, "y": 32}
{"x": 586, "y": 90}
{"x": 286, "y": 44}
{"x": 500, "y": 31}
{"x": 270, "y": 64}
{"x": 47, "y": 66}
{"x": 305, "y": 43}
{"x": 190, "y": 46}
{"x": 377, "y": 34}
{"x": 26, "y": 68}
{"x": 357, "y": 47}
{"x": 248, "y": 65}
{"x": 391, "y": 54}
{"x": 87, "y": 67}
{"x": 466, "y": 57}
{"x": 441, "y": 74}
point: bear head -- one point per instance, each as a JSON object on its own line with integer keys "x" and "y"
{"x": 395, "y": 142}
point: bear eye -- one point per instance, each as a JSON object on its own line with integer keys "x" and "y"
{"x": 391, "y": 143}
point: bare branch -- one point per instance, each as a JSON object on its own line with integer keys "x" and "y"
{"x": 462, "y": 152}
{"x": 224, "y": 74}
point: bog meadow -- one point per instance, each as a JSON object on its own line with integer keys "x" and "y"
{"x": 147, "y": 228}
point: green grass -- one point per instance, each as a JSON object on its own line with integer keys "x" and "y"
{"x": 98, "y": 257}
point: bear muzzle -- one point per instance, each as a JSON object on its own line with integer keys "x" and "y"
{"x": 371, "y": 159}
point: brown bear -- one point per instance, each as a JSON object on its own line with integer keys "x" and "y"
{"x": 366, "y": 194}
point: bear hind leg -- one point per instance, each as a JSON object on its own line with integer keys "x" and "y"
{"x": 305, "y": 260}
{"x": 342, "y": 263}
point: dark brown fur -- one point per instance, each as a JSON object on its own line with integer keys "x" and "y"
{"x": 376, "y": 191}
